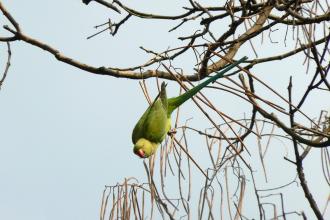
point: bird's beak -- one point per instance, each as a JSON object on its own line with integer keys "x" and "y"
{"x": 141, "y": 153}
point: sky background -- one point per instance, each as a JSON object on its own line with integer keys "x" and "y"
{"x": 66, "y": 133}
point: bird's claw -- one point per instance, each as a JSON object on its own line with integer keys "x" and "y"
{"x": 171, "y": 132}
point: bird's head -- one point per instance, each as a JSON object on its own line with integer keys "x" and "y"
{"x": 144, "y": 148}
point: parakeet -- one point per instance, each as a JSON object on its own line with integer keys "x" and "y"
{"x": 155, "y": 122}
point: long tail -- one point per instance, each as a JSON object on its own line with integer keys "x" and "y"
{"x": 175, "y": 102}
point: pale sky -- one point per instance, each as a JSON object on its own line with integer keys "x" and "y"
{"x": 66, "y": 133}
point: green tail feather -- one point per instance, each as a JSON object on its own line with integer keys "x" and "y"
{"x": 175, "y": 102}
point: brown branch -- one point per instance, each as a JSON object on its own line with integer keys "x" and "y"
{"x": 4, "y": 75}
{"x": 263, "y": 16}
{"x": 97, "y": 70}
{"x": 302, "y": 21}
{"x": 309, "y": 20}
{"x": 279, "y": 123}
{"x": 104, "y": 3}
{"x": 19, "y": 35}
{"x": 299, "y": 165}
{"x": 9, "y": 17}
{"x": 288, "y": 54}
{"x": 152, "y": 16}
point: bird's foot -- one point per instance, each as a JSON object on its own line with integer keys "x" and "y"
{"x": 171, "y": 132}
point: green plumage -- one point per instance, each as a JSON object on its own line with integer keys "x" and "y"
{"x": 155, "y": 122}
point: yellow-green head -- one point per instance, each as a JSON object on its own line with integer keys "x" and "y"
{"x": 144, "y": 148}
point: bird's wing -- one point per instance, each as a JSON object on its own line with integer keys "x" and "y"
{"x": 153, "y": 124}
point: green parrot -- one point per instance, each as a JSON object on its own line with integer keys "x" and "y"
{"x": 155, "y": 122}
